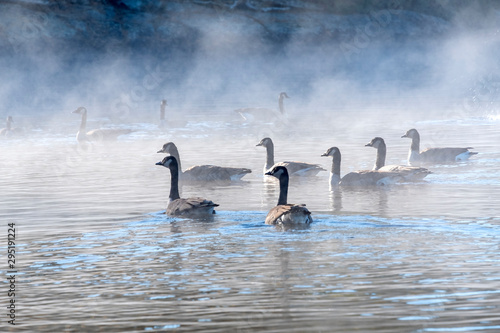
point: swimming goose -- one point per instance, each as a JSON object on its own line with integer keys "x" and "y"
{"x": 285, "y": 213}
{"x": 358, "y": 178}
{"x": 104, "y": 134}
{"x": 204, "y": 173}
{"x": 434, "y": 155}
{"x": 177, "y": 206}
{"x": 409, "y": 173}
{"x": 9, "y": 130}
{"x": 251, "y": 114}
{"x": 293, "y": 168}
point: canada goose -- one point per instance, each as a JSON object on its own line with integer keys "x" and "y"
{"x": 9, "y": 130}
{"x": 104, "y": 134}
{"x": 409, "y": 173}
{"x": 358, "y": 178}
{"x": 293, "y": 168}
{"x": 285, "y": 213}
{"x": 163, "y": 105}
{"x": 434, "y": 155}
{"x": 204, "y": 173}
{"x": 251, "y": 114}
{"x": 177, "y": 206}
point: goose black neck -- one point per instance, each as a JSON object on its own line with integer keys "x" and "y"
{"x": 83, "y": 124}
{"x": 280, "y": 103}
{"x": 174, "y": 180}
{"x": 381, "y": 152}
{"x": 283, "y": 189}
{"x": 270, "y": 154}
{"x": 415, "y": 142}
{"x": 162, "y": 112}
{"x": 336, "y": 164}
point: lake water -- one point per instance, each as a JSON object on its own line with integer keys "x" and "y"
{"x": 95, "y": 253}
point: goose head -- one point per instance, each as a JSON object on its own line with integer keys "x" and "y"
{"x": 333, "y": 152}
{"x": 283, "y": 95}
{"x": 80, "y": 110}
{"x": 411, "y": 133}
{"x": 266, "y": 142}
{"x": 168, "y": 162}
{"x": 376, "y": 142}
{"x": 278, "y": 172}
{"x": 163, "y": 103}
{"x": 167, "y": 148}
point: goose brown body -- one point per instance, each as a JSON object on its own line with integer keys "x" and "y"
{"x": 101, "y": 134}
{"x": 434, "y": 155}
{"x": 204, "y": 173}
{"x": 294, "y": 168}
{"x": 360, "y": 178}
{"x": 261, "y": 113}
{"x": 409, "y": 173}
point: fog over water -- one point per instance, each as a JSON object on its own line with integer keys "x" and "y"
{"x": 94, "y": 250}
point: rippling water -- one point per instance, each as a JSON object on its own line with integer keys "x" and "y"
{"x": 95, "y": 252}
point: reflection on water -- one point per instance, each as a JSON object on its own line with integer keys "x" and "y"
{"x": 96, "y": 252}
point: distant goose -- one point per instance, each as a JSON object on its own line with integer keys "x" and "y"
{"x": 434, "y": 155}
{"x": 190, "y": 207}
{"x": 9, "y": 130}
{"x": 251, "y": 114}
{"x": 293, "y": 168}
{"x": 285, "y": 213}
{"x": 409, "y": 173}
{"x": 204, "y": 173}
{"x": 104, "y": 134}
{"x": 163, "y": 106}
{"x": 358, "y": 178}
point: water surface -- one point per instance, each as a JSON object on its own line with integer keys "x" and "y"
{"x": 96, "y": 253}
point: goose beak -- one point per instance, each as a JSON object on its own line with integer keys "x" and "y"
{"x": 76, "y": 111}
{"x": 404, "y": 136}
{"x": 268, "y": 173}
{"x": 258, "y": 145}
{"x": 324, "y": 154}
{"x": 160, "y": 151}
{"x": 368, "y": 145}
{"x": 158, "y": 163}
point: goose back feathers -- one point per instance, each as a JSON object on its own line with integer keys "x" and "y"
{"x": 294, "y": 168}
{"x": 204, "y": 173}
{"x": 434, "y": 155}
{"x": 189, "y": 207}
{"x": 285, "y": 213}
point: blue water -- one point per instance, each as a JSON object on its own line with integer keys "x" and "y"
{"x": 96, "y": 252}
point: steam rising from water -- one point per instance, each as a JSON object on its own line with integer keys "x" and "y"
{"x": 331, "y": 64}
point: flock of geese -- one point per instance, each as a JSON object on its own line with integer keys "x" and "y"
{"x": 283, "y": 213}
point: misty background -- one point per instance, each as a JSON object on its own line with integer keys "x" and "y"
{"x": 119, "y": 58}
